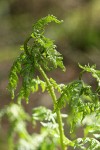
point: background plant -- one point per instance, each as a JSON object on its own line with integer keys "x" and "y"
{"x": 40, "y": 55}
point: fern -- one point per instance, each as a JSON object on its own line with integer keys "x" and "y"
{"x": 41, "y": 52}
{"x": 38, "y": 57}
{"x": 81, "y": 99}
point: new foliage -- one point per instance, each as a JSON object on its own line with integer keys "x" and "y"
{"x": 41, "y": 56}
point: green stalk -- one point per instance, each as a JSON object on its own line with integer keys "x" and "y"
{"x": 59, "y": 118}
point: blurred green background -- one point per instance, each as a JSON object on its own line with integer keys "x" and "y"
{"x": 77, "y": 38}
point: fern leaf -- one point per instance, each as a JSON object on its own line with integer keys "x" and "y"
{"x": 81, "y": 99}
{"x": 41, "y": 52}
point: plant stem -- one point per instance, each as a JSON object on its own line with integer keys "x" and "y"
{"x": 59, "y": 118}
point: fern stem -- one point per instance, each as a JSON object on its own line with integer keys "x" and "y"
{"x": 59, "y": 118}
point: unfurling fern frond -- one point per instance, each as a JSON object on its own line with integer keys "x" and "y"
{"x": 39, "y": 26}
{"x": 42, "y": 52}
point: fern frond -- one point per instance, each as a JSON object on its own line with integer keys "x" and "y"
{"x": 81, "y": 99}
{"x": 41, "y": 52}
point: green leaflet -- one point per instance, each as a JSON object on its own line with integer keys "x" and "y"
{"x": 47, "y": 119}
{"x": 92, "y": 125}
{"x": 46, "y": 116}
{"x": 87, "y": 144}
{"x": 14, "y": 74}
{"x": 56, "y": 86}
{"x": 30, "y": 85}
{"x": 92, "y": 69}
{"x": 39, "y": 25}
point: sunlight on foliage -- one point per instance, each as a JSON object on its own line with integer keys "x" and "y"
{"x": 82, "y": 101}
{"x": 42, "y": 51}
